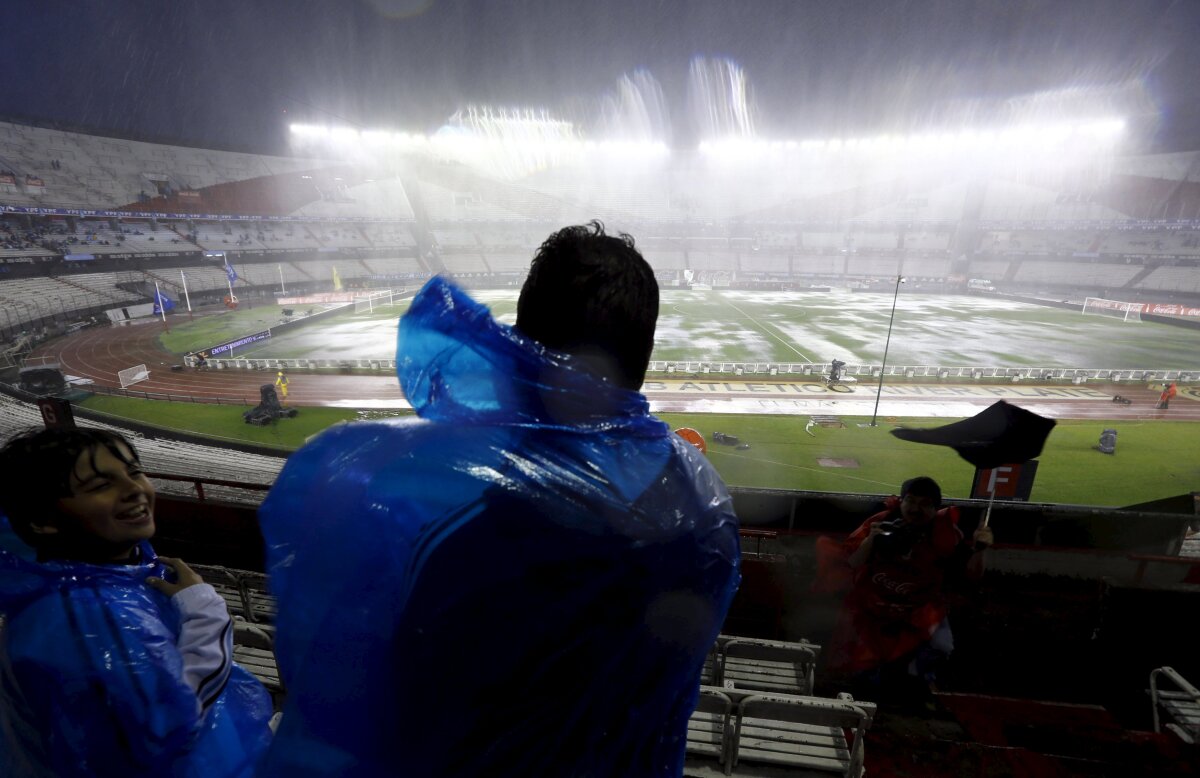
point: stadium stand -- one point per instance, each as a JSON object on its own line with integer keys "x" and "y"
{"x": 110, "y": 172}
{"x": 401, "y": 266}
{"x": 1009, "y": 201}
{"x": 1177, "y": 707}
{"x": 384, "y": 200}
{"x": 1173, "y": 279}
{"x": 664, "y": 260}
{"x": 872, "y": 240}
{"x": 1039, "y": 242}
{"x": 29, "y": 298}
{"x": 500, "y": 236}
{"x": 926, "y": 241}
{"x": 819, "y": 265}
{"x": 762, "y": 262}
{"x": 464, "y": 263}
{"x": 989, "y": 268}
{"x": 105, "y": 286}
{"x": 1075, "y": 274}
{"x": 868, "y": 266}
{"x": 345, "y": 236}
{"x": 710, "y": 260}
{"x": 455, "y": 239}
{"x": 823, "y": 240}
{"x": 771, "y": 239}
{"x": 507, "y": 262}
{"x": 389, "y": 235}
{"x": 926, "y": 267}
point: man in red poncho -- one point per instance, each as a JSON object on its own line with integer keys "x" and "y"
{"x": 897, "y": 566}
{"x": 1164, "y": 399}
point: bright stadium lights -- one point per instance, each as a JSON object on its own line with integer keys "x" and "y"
{"x": 1085, "y": 135}
{"x": 508, "y": 143}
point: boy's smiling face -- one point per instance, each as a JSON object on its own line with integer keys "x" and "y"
{"x": 111, "y": 503}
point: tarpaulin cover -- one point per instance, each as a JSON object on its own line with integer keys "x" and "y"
{"x": 524, "y": 581}
{"x": 99, "y": 687}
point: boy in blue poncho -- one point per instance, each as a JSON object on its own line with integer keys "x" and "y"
{"x": 525, "y": 580}
{"x": 113, "y": 662}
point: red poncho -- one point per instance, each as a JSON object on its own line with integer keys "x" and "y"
{"x": 893, "y": 604}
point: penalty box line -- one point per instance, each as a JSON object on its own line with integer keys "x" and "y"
{"x": 766, "y": 331}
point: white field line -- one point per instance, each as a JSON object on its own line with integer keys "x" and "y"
{"x": 763, "y": 328}
{"x": 822, "y": 470}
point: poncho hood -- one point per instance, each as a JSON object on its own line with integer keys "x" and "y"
{"x": 457, "y": 363}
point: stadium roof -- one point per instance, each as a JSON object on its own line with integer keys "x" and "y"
{"x": 237, "y": 74}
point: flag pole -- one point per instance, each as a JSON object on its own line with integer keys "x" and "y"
{"x": 987, "y": 516}
{"x": 186, "y": 296}
{"x": 282, "y": 288}
{"x": 162, "y": 309}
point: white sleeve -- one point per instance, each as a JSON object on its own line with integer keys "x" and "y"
{"x": 205, "y": 641}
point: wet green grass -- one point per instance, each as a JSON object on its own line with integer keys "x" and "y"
{"x": 724, "y": 326}
{"x": 211, "y": 329}
{"x": 1154, "y": 459}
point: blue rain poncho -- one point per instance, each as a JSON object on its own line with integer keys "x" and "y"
{"x": 91, "y": 681}
{"x": 524, "y": 581}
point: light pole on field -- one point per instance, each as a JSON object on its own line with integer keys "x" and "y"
{"x": 887, "y": 344}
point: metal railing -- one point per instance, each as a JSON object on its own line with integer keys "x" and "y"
{"x": 802, "y": 370}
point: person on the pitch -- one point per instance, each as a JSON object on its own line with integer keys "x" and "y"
{"x": 1168, "y": 392}
{"x": 281, "y": 381}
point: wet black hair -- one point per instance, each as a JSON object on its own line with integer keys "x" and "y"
{"x": 922, "y": 486}
{"x": 592, "y": 295}
{"x": 36, "y": 468}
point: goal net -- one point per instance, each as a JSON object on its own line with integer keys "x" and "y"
{"x": 131, "y": 375}
{"x": 369, "y": 302}
{"x": 1098, "y": 306}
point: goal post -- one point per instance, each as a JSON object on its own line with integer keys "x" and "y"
{"x": 131, "y": 375}
{"x": 1117, "y": 309}
{"x": 367, "y": 303}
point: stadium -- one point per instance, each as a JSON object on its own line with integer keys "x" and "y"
{"x": 1049, "y": 258}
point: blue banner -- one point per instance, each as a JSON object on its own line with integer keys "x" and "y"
{"x": 230, "y": 345}
{"x": 230, "y": 273}
{"x": 163, "y": 303}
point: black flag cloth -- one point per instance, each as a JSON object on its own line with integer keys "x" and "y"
{"x": 1002, "y": 434}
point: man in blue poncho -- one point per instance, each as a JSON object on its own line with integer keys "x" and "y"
{"x": 524, "y": 581}
{"x": 106, "y": 667}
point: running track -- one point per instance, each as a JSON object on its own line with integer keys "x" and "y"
{"x": 99, "y": 353}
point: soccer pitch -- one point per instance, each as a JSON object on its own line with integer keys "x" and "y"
{"x": 756, "y": 326}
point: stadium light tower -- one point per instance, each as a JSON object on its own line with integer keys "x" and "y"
{"x": 886, "y": 345}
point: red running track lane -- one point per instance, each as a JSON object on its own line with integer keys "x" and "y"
{"x": 99, "y": 353}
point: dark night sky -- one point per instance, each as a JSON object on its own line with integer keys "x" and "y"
{"x": 225, "y": 71}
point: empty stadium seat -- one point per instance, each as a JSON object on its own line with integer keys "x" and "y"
{"x": 1178, "y": 709}
{"x": 766, "y": 735}
{"x": 768, "y": 665}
